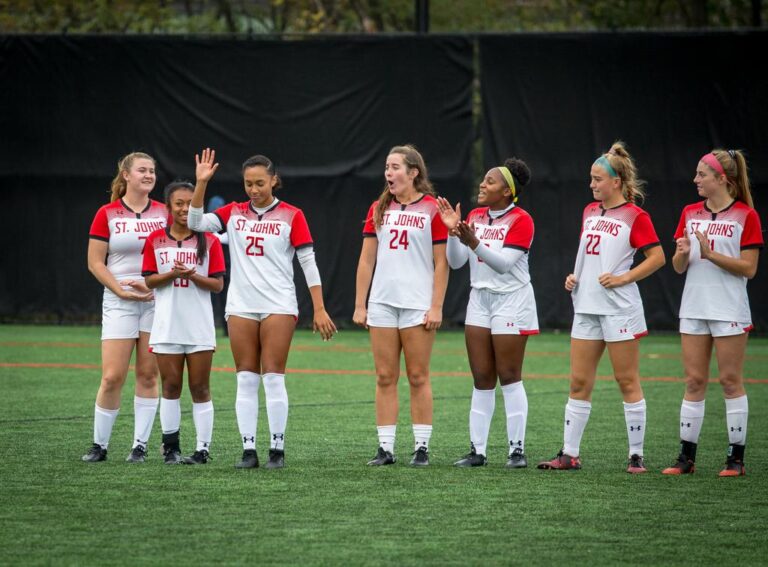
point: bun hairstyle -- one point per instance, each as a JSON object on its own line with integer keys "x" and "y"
{"x": 170, "y": 189}
{"x": 412, "y": 159}
{"x": 516, "y": 174}
{"x": 119, "y": 184}
{"x": 265, "y": 162}
{"x": 734, "y": 166}
{"x": 624, "y": 168}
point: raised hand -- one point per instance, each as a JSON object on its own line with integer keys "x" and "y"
{"x": 450, "y": 216}
{"x": 205, "y": 165}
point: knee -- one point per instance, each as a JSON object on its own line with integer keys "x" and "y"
{"x": 146, "y": 378}
{"x": 627, "y": 382}
{"x": 510, "y": 376}
{"x": 580, "y": 387}
{"x": 695, "y": 385}
{"x": 171, "y": 390}
{"x": 732, "y": 384}
{"x": 418, "y": 380}
{"x": 386, "y": 380}
{"x": 112, "y": 382}
{"x": 200, "y": 393}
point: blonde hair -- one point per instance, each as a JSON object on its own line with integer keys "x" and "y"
{"x": 412, "y": 159}
{"x": 624, "y": 166}
{"x": 735, "y": 166}
{"x": 119, "y": 184}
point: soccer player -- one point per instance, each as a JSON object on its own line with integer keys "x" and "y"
{"x": 264, "y": 234}
{"x": 501, "y": 313}
{"x": 404, "y": 239}
{"x": 183, "y": 267}
{"x": 607, "y": 307}
{"x": 117, "y": 237}
{"x": 718, "y": 244}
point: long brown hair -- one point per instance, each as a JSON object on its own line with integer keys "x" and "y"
{"x": 735, "y": 166}
{"x": 412, "y": 159}
{"x": 624, "y": 166}
{"x": 119, "y": 184}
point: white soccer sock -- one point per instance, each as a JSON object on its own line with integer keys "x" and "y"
{"x": 691, "y": 418}
{"x": 634, "y": 416}
{"x": 480, "y": 415}
{"x": 202, "y": 415}
{"x": 387, "y": 437}
{"x": 103, "y": 420}
{"x": 736, "y": 414}
{"x": 277, "y": 408}
{"x": 421, "y": 434}
{"x": 247, "y": 407}
{"x": 144, "y": 410}
{"x": 170, "y": 415}
{"x": 576, "y": 418}
{"x": 516, "y": 405}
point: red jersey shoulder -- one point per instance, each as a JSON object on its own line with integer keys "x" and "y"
{"x": 478, "y": 214}
{"x": 157, "y": 237}
{"x": 156, "y": 209}
{"x": 283, "y": 212}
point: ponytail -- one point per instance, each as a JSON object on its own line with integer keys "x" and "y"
{"x": 624, "y": 167}
{"x": 736, "y": 174}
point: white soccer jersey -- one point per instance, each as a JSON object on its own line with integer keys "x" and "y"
{"x": 513, "y": 229}
{"x": 261, "y": 249}
{"x": 609, "y": 240}
{"x": 711, "y": 292}
{"x": 183, "y": 312}
{"x": 126, "y": 232}
{"x": 405, "y": 265}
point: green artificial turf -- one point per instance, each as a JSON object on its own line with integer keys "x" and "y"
{"x": 326, "y": 507}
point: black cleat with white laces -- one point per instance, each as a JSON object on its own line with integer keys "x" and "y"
{"x": 250, "y": 460}
{"x": 95, "y": 454}
{"x": 197, "y": 458}
{"x": 383, "y": 457}
{"x": 420, "y": 457}
{"x": 137, "y": 454}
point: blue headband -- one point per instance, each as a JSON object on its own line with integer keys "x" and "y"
{"x": 603, "y": 162}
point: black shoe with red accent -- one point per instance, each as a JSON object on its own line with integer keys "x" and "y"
{"x": 733, "y": 467}
{"x": 683, "y": 465}
{"x": 561, "y": 462}
{"x": 636, "y": 465}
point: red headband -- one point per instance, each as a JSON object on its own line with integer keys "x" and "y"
{"x": 713, "y": 162}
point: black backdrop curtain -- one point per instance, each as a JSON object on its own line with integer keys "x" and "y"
{"x": 328, "y": 110}
{"x": 559, "y": 101}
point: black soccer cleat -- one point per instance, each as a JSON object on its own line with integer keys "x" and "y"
{"x": 250, "y": 460}
{"x": 683, "y": 465}
{"x": 733, "y": 467}
{"x": 472, "y": 459}
{"x": 276, "y": 459}
{"x": 197, "y": 458}
{"x": 420, "y": 457}
{"x": 95, "y": 454}
{"x": 137, "y": 455}
{"x": 173, "y": 456}
{"x": 382, "y": 458}
{"x": 517, "y": 460}
{"x": 636, "y": 464}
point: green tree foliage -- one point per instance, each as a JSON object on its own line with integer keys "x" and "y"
{"x": 368, "y": 16}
